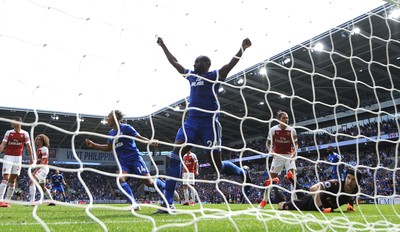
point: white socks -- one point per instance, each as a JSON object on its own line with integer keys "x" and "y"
{"x": 32, "y": 192}
{"x": 3, "y": 187}
{"x": 48, "y": 195}
{"x": 10, "y": 191}
{"x": 186, "y": 194}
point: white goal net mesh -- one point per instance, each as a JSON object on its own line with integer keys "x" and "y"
{"x": 341, "y": 88}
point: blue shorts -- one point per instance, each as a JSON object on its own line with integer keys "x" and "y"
{"x": 201, "y": 130}
{"x": 137, "y": 166}
{"x": 58, "y": 189}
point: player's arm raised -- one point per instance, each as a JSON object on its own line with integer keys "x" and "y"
{"x": 172, "y": 60}
{"x": 224, "y": 71}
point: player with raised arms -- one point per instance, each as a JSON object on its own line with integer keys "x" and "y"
{"x": 13, "y": 141}
{"x": 128, "y": 154}
{"x": 201, "y": 127}
{"x": 42, "y": 143}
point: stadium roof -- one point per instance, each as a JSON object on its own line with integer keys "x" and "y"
{"x": 355, "y": 76}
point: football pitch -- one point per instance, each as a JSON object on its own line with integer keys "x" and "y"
{"x": 210, "y": 217}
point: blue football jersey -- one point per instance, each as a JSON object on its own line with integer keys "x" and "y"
{"x": 333, "y": 158}
{"x": 203, "y": 93}
{"x": 56, "y": 180}
{"x": 125, "y": 147}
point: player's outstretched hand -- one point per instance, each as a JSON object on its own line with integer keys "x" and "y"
{"x": 88, "y": 142}
{"x": 160, "y": 41}
{"x": 246, "y": 43}
{"x": 350, "y": 208}
{"x": 154, "y": 143}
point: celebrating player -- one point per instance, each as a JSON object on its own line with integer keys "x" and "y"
{"x": 334, "y": 158}
{"x": 57, "y": 184}
{"x": 189, "y": 171}
{"x": 331, "y": 198}
{"x": 42, "y": 143}
{"x": 202, "y": 125}
{"x": 128, "y": 154}
{"x": 13, "y": 141}
{"x": 282, "y": 143}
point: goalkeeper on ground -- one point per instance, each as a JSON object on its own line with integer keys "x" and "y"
{"x": 326, "y": 196}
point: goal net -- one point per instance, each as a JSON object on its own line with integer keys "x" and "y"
{"x": 67, "y": 64}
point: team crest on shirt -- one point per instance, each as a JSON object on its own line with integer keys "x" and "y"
{"x": 198, "y": 82}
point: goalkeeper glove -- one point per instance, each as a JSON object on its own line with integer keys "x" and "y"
{"x": 327, "y": 210}
{"x": 350, "y": 208}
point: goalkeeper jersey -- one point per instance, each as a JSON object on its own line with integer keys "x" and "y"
{"x": 329, "y": 200}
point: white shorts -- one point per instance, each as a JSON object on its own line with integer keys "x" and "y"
{"x": 41, "y": 174}
{"x": 188, "y": 178}
{"x": 280, "y": 162}
{"x": 12, "y": 164}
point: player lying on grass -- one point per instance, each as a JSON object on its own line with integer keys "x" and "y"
{"x": 328, "y": 195}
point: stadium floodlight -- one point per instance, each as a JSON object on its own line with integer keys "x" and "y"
{"x": 285, "y": 60}
{"x": 54, "y": 117}
{"x": 318, "y": 47}
{"x": 394, "y": 14}
{"x": 356, "y": 30}
{"x": 239, "y": 81}
{"x": 262, "y": 71}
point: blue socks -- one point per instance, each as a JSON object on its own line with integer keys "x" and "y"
{"x": 128, "y": 190}
{"x": 174, "y": 170}
{"x": 231, "y": 169}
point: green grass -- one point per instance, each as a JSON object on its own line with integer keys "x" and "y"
{"x": 191, "y": 218}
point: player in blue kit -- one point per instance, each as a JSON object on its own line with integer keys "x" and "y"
{"x": 57, "y": 182}
{"x": 202, "y": 125}
{"x": 334, "y": 158}
{"x": 128, "y": 154}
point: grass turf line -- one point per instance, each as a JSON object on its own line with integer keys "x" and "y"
{"x": 222, "y": 217}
